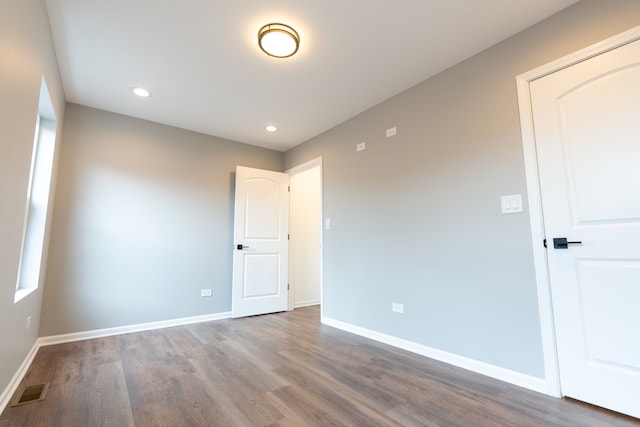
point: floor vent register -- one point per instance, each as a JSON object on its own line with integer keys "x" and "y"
{"x": 30, "y": 393}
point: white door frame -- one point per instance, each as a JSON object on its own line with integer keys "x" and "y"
{"x": 552, "y": 376}
{"x": 317, "y": 162}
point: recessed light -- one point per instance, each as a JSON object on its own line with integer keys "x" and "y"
{"x": 271, "y": 128}
{"x": 141, "y": 92}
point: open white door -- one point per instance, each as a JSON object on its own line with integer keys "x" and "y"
{"x": 260, "y": 259}
{"x": 587, "y": 134}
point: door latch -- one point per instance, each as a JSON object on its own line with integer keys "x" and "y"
{"x": 562, "y": 243}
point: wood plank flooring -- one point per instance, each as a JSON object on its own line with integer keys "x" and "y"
{"x": 282, "y": 369}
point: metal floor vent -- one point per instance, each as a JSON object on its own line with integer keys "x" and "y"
{"x": 30, "y": 393}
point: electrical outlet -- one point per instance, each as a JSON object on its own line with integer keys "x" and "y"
{"x": 206, "y": 292}
{"x": 361, "y": 146}
{"x": 28, "y": 326}
{"x": 397, "y": 307}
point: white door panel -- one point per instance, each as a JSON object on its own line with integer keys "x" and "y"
{"x": 590, "y": 151}
{"x": 261, "y": 275}
{"x": 587, "y": 130}
{"x": 260, "y": 260}
{"x": 607, "y": 328}
{"x": 262, "y": 209}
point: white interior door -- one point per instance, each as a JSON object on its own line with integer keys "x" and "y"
{"x": 260, "y": 255}
{"x": 587, "y": 132}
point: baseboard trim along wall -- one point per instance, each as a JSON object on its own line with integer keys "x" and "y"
{"x": 306, "y": 303}
{"x": 100, "y": 333}
{"x": 502, "y": 374}
{"x": 11, "y": 388}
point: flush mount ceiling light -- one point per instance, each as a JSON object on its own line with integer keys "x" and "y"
{"x": 141, "y": 92}
{"x": 271, "y": 128}
{"x": 278, "y": 40}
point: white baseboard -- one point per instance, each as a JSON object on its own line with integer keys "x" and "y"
{"x": 11, "y": 388}
{"x": 307, "y": 303}
{"x": 527, "y": 381}
{"x": 100, "y": 333}
{"x": 517, "y": 378}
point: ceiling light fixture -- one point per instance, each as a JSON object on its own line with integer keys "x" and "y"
{"x": 271, "y": 128}
{"x": 278, "y": 40}
{"x": 141, "y": 92}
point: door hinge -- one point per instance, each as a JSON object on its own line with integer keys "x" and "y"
{"x": 544, "y": 242}
{"x": 287, "y": 286}
{"x": 289, "y": 188}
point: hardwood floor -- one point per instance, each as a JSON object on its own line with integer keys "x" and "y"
{"x": 283, "y": 369}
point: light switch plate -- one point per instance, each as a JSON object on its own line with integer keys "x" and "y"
{"x": 511, "y": 204}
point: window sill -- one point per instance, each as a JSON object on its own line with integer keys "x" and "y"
{"x": 22, "y": 293}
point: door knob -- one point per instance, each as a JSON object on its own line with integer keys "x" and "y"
{"x": 561, "y": 243}
{"x": 241, "y": 247}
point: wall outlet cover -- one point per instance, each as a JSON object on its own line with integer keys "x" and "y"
{"x": 397, "y": 307}
{"x": 391, "y": 132}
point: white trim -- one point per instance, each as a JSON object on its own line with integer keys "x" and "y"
{"x": 100, "y": 333}
{"x": 547, "y": 328}
{"x": 596, "y": 49}
{"x": 545, "y": 312}
{"x": 305, "y": 166}
{"x": 502, "y": 374}
{"x": 307, "y": 303}
{"x": 11, "y": 388}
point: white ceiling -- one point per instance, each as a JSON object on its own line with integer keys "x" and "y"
{"x": 201, "y": 61}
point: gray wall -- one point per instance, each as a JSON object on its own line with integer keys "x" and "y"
{"x": 26, "y": 54}
{"x": 416, "y": 218}
{"x": 143, "y": 221}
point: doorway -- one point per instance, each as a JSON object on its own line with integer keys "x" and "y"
{"x": 305, "y": 228}
{"x": 580, "y": 135}
{"x": 277, "y": 261}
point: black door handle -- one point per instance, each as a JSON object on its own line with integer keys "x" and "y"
{"x": 561, "y": 243}
{"x": 241, "y": 247}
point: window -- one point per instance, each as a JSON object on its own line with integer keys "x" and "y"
{"x": 33, "y": 237}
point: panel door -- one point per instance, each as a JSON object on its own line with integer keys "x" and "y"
{"x": 260, "y": 255}
{"x": 587, "y": 130}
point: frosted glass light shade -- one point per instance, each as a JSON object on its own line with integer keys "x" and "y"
{"x": 278, "y": 40}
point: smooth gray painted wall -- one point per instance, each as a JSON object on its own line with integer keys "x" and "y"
{"x": 143, "y": 221}
{"x": 416, "y": 218}
{"x": 26, "y": 54}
